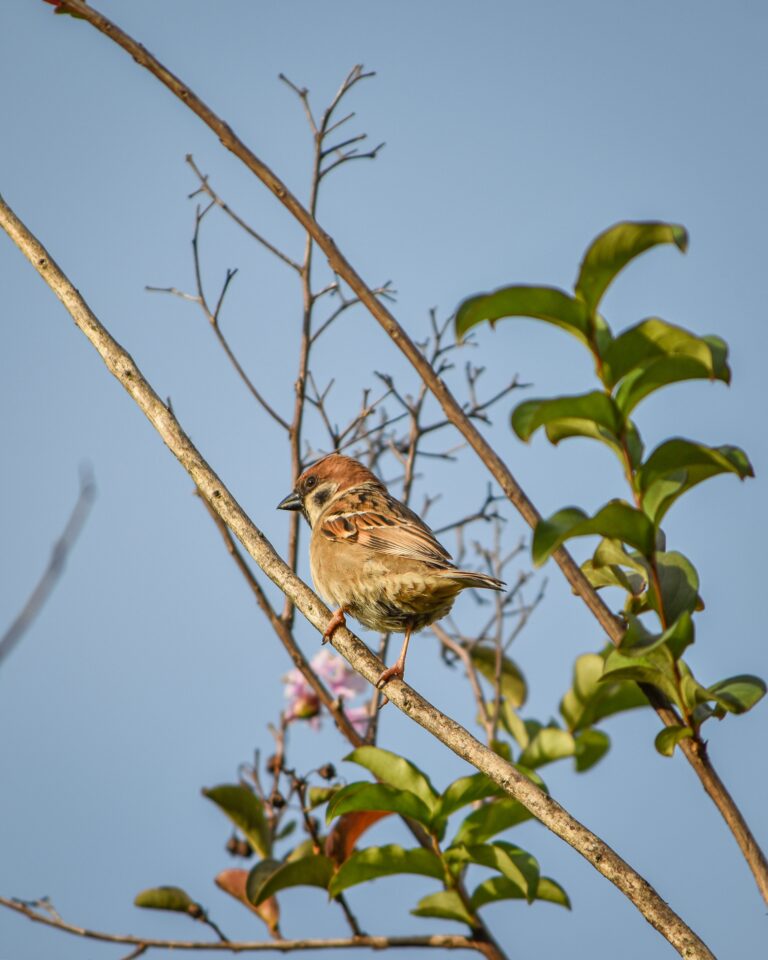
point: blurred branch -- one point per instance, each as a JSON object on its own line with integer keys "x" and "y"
{"x": 602, "y": 857}
{"x": 55, "y": 567}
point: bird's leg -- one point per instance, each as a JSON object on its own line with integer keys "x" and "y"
{"x": 337, "y": 620}
{"x": 398, "y": 668}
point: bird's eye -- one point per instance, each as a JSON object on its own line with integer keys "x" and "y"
{"x": 310, "y": 482}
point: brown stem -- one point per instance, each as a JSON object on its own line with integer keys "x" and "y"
{"x": 463, "y": 654}
{"x": 612, "y": 626}
{"x": 122, "y": 366}
{"x": 436, "y": 941}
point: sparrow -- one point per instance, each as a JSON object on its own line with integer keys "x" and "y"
{"x": 372, "y": 557}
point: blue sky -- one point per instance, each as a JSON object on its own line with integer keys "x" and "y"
{"x": 515, "y": 133}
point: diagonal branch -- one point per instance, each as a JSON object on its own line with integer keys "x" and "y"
{"x": 694, "y": 750}
{"x": 122, "y": 366}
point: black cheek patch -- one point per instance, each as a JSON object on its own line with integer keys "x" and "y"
{"x": 321, "y": 497}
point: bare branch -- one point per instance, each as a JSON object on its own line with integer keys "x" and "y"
{"x": 436, "y": 941}
{"x": 352, "y": 155}
{"x": 206, "y": 187}
{"x": 212, "y": 316}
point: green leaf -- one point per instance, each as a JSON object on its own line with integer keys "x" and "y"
{"x": 503, "y": 749}
{"x": 375, "y": 862}
{"x": 397, "y": 772}
{"x": 269, "y": 877}
{"x": 446, "y": 904}
{"x": 596, "y": 410}
{"x": 513, "y": 686}
{"x": 677, "y": 465}
{"x": 499, "y": 888}
{"x": 591, "y": 747}
{"x": 654, "y": 341}
{"x": 612, "y": 552}
{"x": 587, "y": 671}
{"x": 490, "y": 819}
{"x": 377, "y": 796}
{"x": 549, "y": 744}
{"x": 550, "y": 891}
{"x": 512, "y": 862}
{"x": 616, "y": 696}
{"x": 663, "y": 370}
{"x": 514, "y": 725}
{"x": 639, "y": 640}
{"x": 306, "y": 848}
{"x": 612, "y": 575}
{"x": 262, "y": 871}
{"x": 165, "y": 898}
{"x": 613, "y": 249}
{"x": 591, "y": 698}
{"x": 668, "y": 738}
{"x": 320, "y": 795}
{"x": 616, "y": 520}
{"x": 738, "y": 694}
{"x": 245, "y": 810}
{"x": 655, "y": 667}
{"x": 541, "y": 303}
{"x": 679, "y": 584}
{"x": 286, "y": 830}
{"x": 466, "y": 790}
{"x": 693, "y": 693}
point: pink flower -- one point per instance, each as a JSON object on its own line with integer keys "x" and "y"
{"x": 340, "y": 679}
{"x": 358, "y": 717}
{"x": 342, "y": 682}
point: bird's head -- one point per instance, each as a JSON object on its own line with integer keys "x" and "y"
{"x": 323, "y": 481}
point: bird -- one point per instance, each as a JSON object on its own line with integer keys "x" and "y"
{"x": 372, "y": 557}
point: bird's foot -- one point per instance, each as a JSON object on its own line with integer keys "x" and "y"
{"x": 397, "y": 671}
{"x": 337, "y": 620}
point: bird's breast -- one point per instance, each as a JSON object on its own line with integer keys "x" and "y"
{"x": 382, "y": 592}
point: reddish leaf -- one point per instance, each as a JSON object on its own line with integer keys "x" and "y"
{"x": 233, "y": 882}
{"x": 341, "y": 841}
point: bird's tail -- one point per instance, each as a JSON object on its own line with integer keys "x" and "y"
{"x": 471, "y": 578}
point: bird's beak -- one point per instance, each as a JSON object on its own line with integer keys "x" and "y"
{"x": 291, "y": 502}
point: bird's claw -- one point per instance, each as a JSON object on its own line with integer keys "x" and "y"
{"x": 336, "y": 621}
{"x": 392, "y": 673}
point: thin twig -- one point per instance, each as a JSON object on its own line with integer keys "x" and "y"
{"x": 206, "y": 187}
{"x": 437, "y": 941}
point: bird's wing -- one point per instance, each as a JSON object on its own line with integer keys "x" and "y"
{"x": 389, "y": 527}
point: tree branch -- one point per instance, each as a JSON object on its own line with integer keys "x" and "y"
{"x": 122, "y": 366}
{"x": 694, "y": 751}
{"x": 444, "y": 941}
